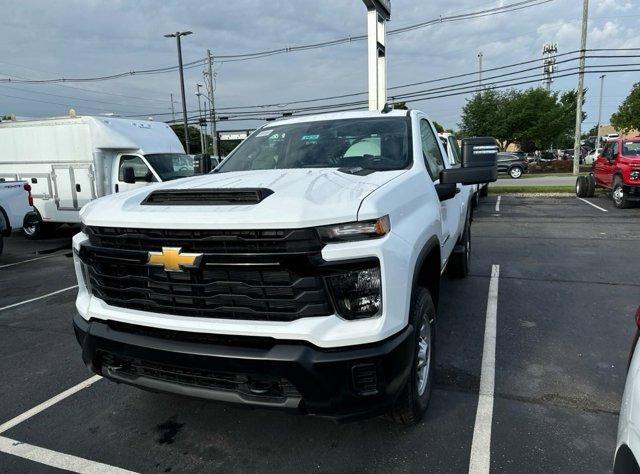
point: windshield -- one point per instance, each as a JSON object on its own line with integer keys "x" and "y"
{"x": 371, "y": 143}
{"x": 631, "y": 148}
{"x": 171, "y": 165}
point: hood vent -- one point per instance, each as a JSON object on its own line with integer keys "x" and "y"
{"x": 207, "y": 197}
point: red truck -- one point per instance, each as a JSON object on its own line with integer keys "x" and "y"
{"x": 617, "y": 169}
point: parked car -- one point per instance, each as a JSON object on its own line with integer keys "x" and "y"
{"x": 617, "y": 169}
{"x": 514, "y": 165}
{"x": 591, "y": 156}
{"x": 315, "y": 290}
{"x": 16, "y": 207}
{"x": 628, "y": 442}
{"x": 68, "y": 161}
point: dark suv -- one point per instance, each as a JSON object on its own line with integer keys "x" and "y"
{"x": 512, "y": 164}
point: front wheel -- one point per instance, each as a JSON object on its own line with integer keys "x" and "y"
{"x": 591, "y": 186}
{"x": 515, "y": 172}
{"x": 620, "y": 197}
{"x": 581, "y": 187}
{"x": 414, "y": 399}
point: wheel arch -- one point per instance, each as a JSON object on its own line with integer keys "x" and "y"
{"x": 625, "y": 462}
{"x": 427, "y": 271}
{"x": 5, "y": 225}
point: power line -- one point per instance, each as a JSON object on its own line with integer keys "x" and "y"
{"x": 246, "y": 56}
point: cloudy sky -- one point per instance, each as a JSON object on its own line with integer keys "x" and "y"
{"x": 86, "y": 38}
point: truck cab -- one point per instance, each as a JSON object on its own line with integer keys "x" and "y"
{"x": 303, "y": 273}
{"x": 617, "y": 168}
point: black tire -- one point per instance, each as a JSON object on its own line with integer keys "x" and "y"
{"x": 414, "y": 398}
{"x": 1, "y": 244}
{"x": 460, "y": 260}
{"x": 38, "y": 230}
{"x": 619, "y": 195}
{"x": 581, "y": 186}
{"x": 484, "y": 191}
{"x": 591, "y": 186}
{"x": 515, "y": 172}
{"x": 475, "y": 200}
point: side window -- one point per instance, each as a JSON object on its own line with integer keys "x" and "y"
{"x": 607, "y": 150}
{"x": 430, "y": 150}
{"x": 141, "y": 170}
{"x": 614, "y": 153}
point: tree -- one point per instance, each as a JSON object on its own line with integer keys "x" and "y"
{"x": 400, "y": 106}
{"x": 533, "y": 118}
{"x": 627, "y": 117}
{"x": 194, "y": 137}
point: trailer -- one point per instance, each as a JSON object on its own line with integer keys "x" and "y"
{"x": 69, "y": 161}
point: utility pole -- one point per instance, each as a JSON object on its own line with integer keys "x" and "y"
{"x": 212, "y": 106}
{"x": 177, "y": 36}
{"x": 549, "y": 51}
{"x": 600, "y": 109}
{"x": 198, "y": 86}
{"x": 480, "y": 71}
{"x": 583, "y": 47}
{"x": 378, "y": 13}
{"x": 173, "y": 110}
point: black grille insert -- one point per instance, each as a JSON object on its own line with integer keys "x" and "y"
{"x": 244, "y": 275}
{"x": 273, "y": 389}
{"x": 207, "y": 197}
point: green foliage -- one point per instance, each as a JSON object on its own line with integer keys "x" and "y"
{"x": 627, "y": 117}
{"x": 194, "y": 137}
{"x": 533, "y": 118}
{"x": 400, "y": 106}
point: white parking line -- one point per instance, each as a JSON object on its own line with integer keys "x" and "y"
{"x": 7, "y": 425}
{"x": 498, "y": 204}
{"x": 7, "y": 265}
{"x": 56, "y": 459}
{"x": 38, "y": 298}
{"x": 481, "y": 444}
{"x": 592, "y": 204}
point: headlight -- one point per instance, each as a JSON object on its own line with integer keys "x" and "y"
{"x": 355, "y": 230}
{"x": 635, "y": 174}
{"x": 357, "y": 293}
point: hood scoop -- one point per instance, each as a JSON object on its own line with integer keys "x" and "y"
{"x": 207, "y": 197}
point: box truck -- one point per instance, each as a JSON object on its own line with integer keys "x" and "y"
{"x": 68, "y": 161}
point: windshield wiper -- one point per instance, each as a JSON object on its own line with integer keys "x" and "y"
{"x": 358, "y": 170}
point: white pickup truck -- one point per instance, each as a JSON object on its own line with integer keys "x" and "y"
{"x": 303, "y": 273}
{"x": 16, "y": 207}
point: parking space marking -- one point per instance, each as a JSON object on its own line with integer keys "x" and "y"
{"x": 498, "y": 204}
{"x": 592, "y": 204}
{"x": 31, "y": 300}
{"x": 481, "y": 443}
{"x": 7, "y": 425}
{"x": 7, "y": 265}
{"x": 56, "y": 459}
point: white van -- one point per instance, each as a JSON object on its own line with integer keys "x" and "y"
{"x": 71, "y": 160}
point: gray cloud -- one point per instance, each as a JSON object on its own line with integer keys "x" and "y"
{"x": 44, "y": 39}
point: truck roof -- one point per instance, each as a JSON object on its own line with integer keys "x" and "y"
{"x": 338, "y": 116}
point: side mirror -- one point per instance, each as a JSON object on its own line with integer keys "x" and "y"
{"x": 128, "y": 175}
{"x": 446, "y": 191}
{"x": 479, "y": 156}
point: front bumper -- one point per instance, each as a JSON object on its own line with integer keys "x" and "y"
{"x": 632, "y": 191}
{"x": 349, "y": 383}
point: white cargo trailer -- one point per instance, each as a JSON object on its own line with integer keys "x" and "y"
{"x": 71, "y": 160}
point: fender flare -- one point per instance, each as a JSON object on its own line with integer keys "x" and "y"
{"x": 5, "y": 225}
{"x": 432, "y": 244}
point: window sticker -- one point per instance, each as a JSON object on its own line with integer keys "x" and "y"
{"x": 264, "y": 133}
{"x": 310, "y": 137}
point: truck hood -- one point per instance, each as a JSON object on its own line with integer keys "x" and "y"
{"x": 301, "y": 198}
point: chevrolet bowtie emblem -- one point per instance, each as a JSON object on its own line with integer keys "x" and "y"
{"x": 173, "y": 261}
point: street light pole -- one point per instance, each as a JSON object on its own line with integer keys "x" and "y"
{"x": 198, "y": 86}
{"x": 583, "y": 47}
{"x": 177, "y": 36}
{"x": 600, "y": 109}
{"x": 212, "y": 106}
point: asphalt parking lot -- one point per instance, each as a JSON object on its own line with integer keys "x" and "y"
{"x": 567, "y": 293}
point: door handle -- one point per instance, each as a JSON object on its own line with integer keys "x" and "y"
{"x": 117, "y": 187}
{"x": 78, "y": 188}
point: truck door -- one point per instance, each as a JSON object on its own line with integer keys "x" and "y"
{"x": 142, "y": 172}
{"x": 603, "y": 168}
{"x": 84, "y": 185}
{"x": 449, "y": 209}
